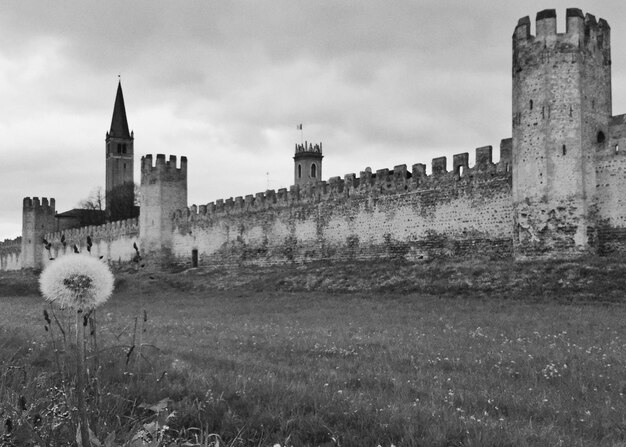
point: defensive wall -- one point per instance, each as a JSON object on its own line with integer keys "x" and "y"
{"x": 397, "y": 213}
{"x": 112, "y": 241}
{"x": 559, "y": 189}
{"x": 610, "y": 198}
{"x": 10, "y": 254}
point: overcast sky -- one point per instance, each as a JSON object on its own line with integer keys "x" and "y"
{"x": 379, "y": 83}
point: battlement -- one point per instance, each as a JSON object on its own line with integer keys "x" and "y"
{"x": 565, "y": 198}
{"x": 161, "y": 166}
{"x": 399, "y": 180}
{"x": 308, "y": 148}
{"x": 11, "y": 245}
{"x": 35, "y": 204}
{"x": 113, "y": 241}
{"x": 10, "y": 254}
{"x": 582, "y": 31}
{"x": 108, "y": 230}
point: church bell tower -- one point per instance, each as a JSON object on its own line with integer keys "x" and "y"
{"x": 120, "y": 194}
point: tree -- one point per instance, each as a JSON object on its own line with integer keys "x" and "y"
{"x": 95, "y": 200}
{"x": 89, "y": 211}
{"x": 122, "y": 202}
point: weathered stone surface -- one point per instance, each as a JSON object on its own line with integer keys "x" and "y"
{"x": 383, "y": 217}
{"x": 561, "y": 116}
{"x": 559, "y": 189}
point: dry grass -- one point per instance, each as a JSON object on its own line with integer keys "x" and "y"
{"x": 269, "y": 361}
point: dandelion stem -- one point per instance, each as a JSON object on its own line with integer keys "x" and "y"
{"x": 94, "y": 340}
{"x": 134, "y": 341}
{"x": 60, "y": 327}
{"x": 54, "y": 346}
{"x": 80, "y": 380}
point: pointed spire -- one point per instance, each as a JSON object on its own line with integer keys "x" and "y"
{"x": 119, "y": 123}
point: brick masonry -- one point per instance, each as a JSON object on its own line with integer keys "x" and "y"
{"x": 389, "y": 214}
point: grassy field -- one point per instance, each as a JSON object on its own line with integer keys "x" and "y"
{"x": 353, "y": 356}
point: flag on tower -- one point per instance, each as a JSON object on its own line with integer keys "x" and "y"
{"x": 299, "y": 127}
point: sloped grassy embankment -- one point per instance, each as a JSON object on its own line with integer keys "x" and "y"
{"x": 597, "y": 279}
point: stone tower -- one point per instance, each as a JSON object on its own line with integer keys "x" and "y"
{"x": 120, "y": 194}
{"x": 163, "y": 191}
{"x": 307, "y": 163}
{"x": 561, "y": 113}
{"x": 37, "y": 220}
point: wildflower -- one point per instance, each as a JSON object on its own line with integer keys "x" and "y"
{"x": 76, "y": 281}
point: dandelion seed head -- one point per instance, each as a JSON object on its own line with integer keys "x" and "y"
{"x": 77, "y": 282}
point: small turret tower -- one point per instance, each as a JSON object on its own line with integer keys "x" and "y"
{"x": 120, "y": 193}
{"x": 37, "y": 220}
{"x": 561, "y": 112}
{"x": 163, "y": 191}
{"x": 307, "y": 163}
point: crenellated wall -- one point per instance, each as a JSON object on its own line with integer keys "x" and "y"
{"x": 113, "y": 241}
{"x": 384, "y": 214}
{"x": 559, "y": 189}
{"x": 10, "y": 254}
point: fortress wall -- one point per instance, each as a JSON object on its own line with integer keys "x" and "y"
{"x": 113, "y": 241}
{"x": 10, "y": 254}
{"x": 610, "y": 187}
{"x": 387, "y": 214}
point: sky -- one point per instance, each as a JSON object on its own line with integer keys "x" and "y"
{"x": 226, "y": 83}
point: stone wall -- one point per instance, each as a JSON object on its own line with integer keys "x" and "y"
{"x": 610, "y": 187}
{"x": 558, "y": 190}
{"x": 10, "y": 254}
{"x": 387, "y": 214}
{"x": 113, "y": 241}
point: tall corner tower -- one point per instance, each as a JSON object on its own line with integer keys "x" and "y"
{"x": 561, "y": 112}
{"x": 120, "y": 194}
{"x": 307, "y": 163}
